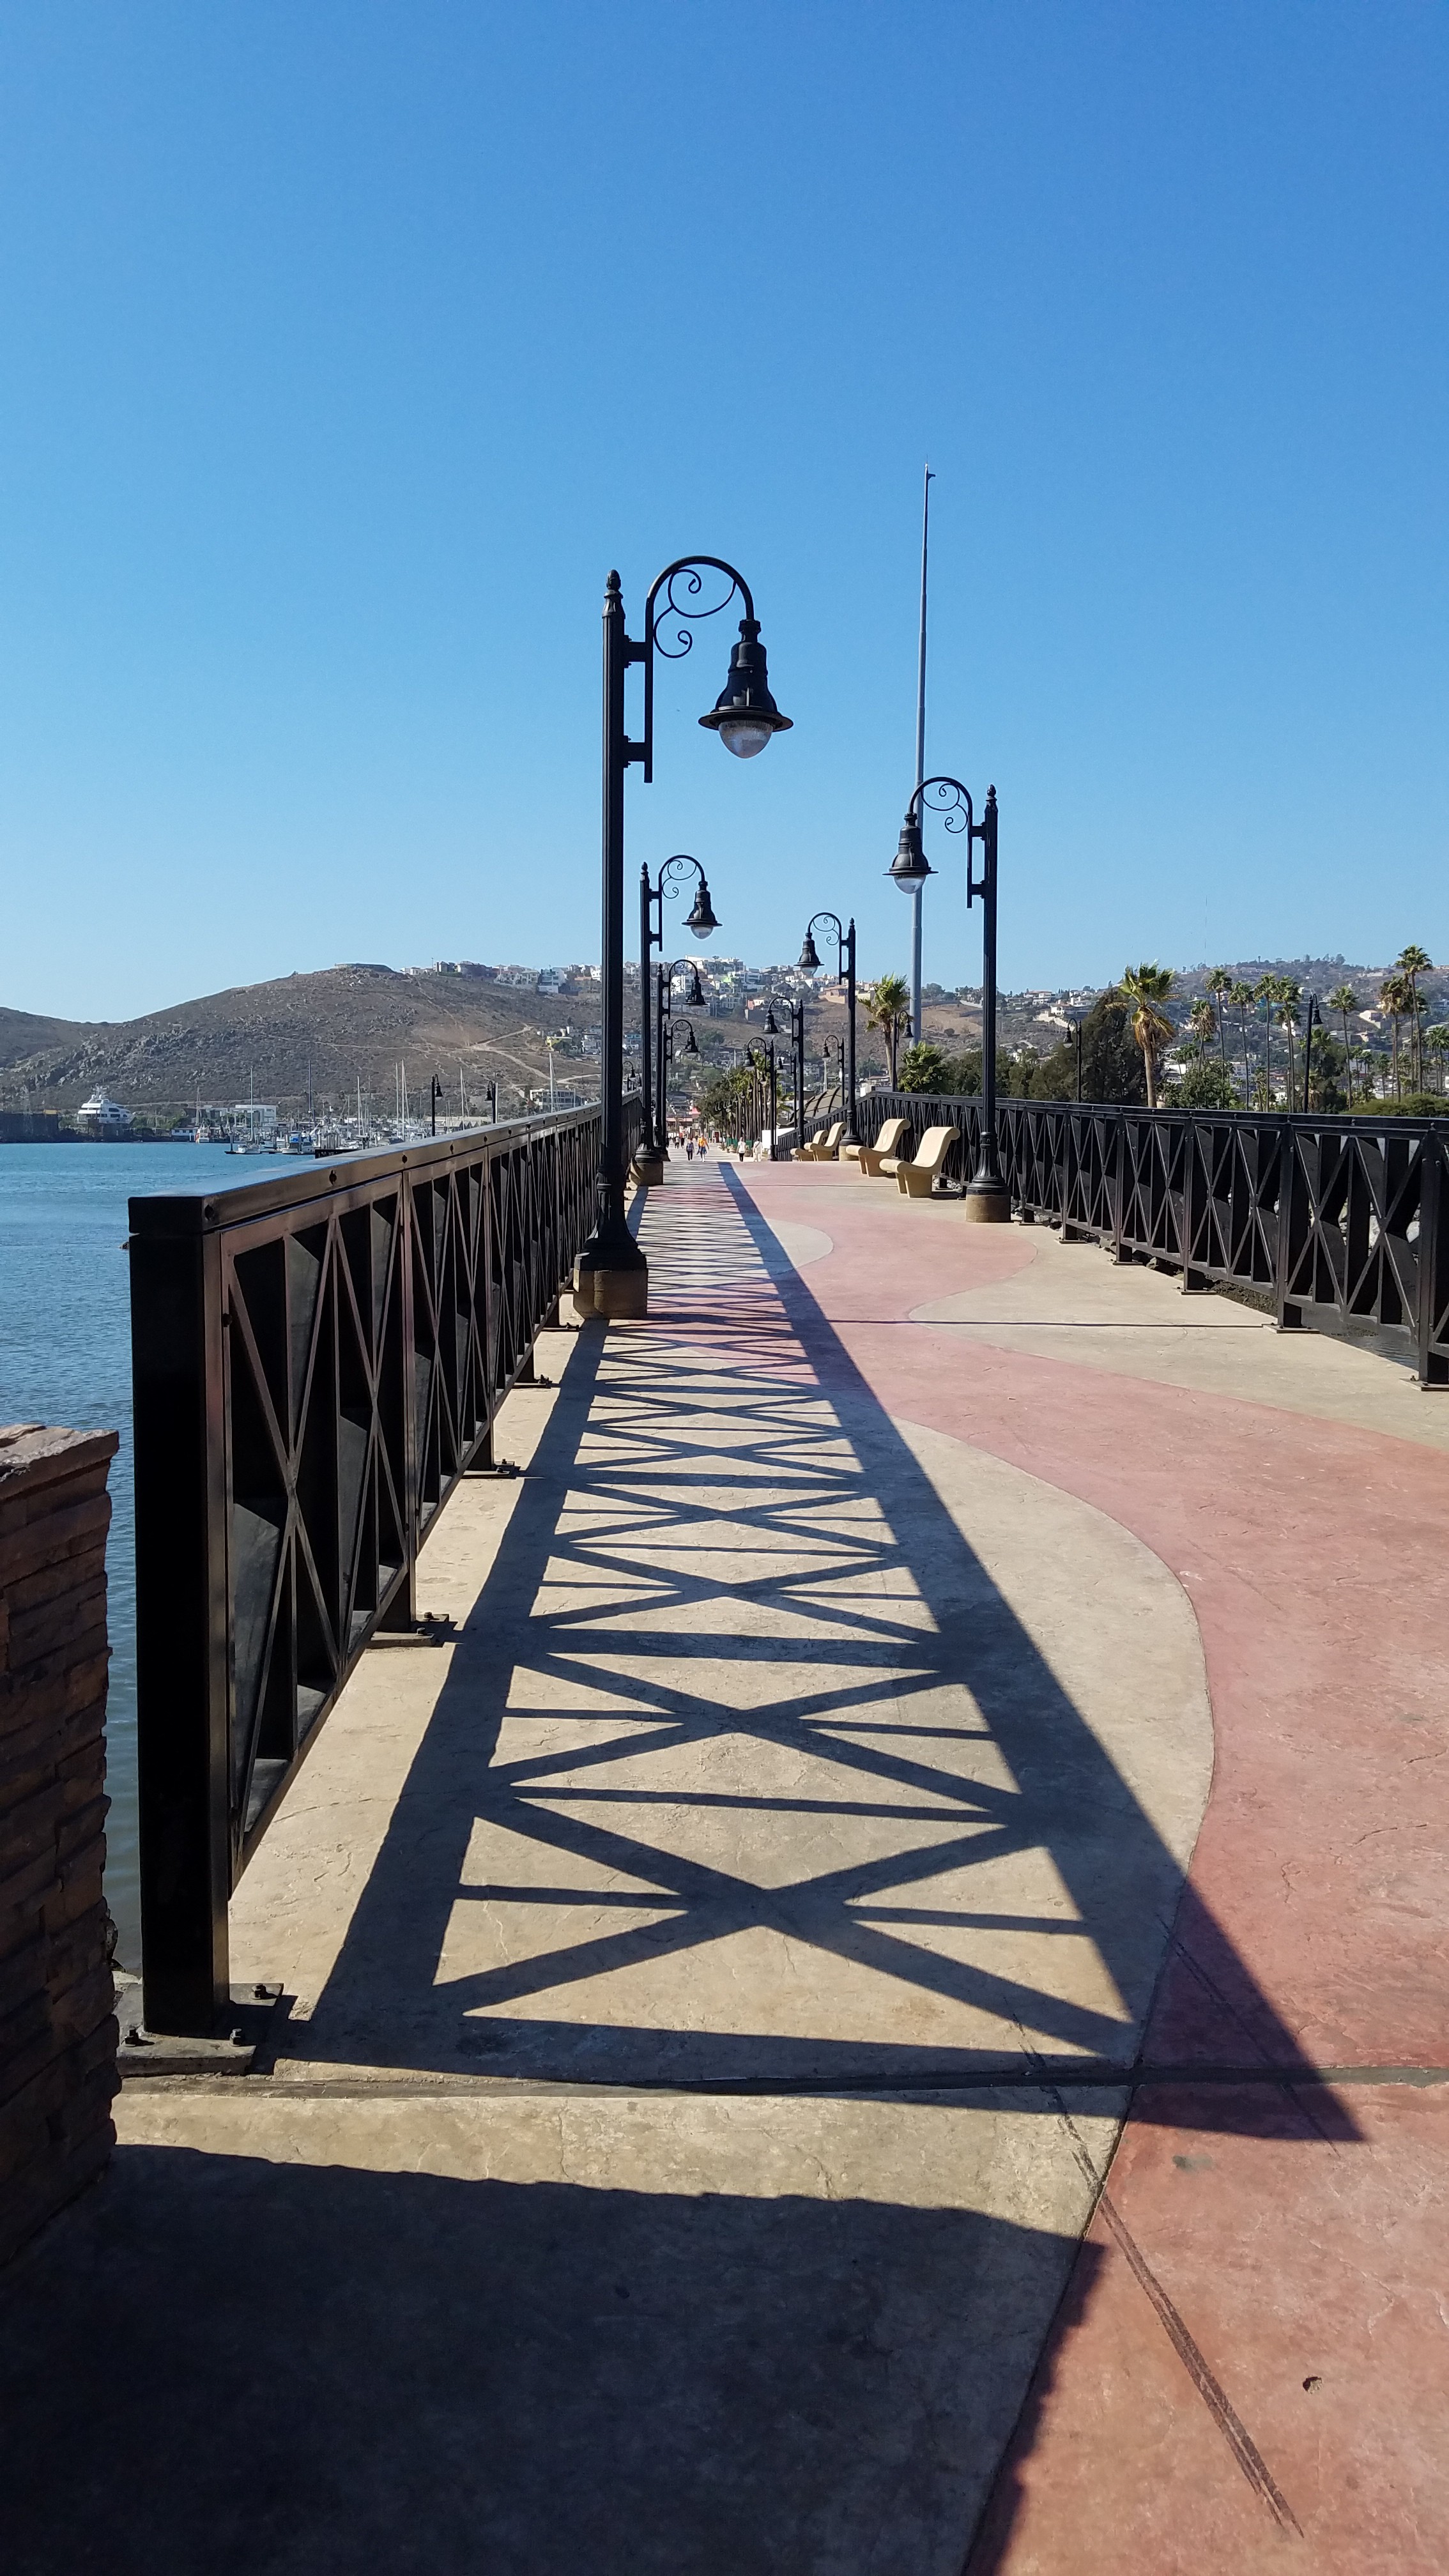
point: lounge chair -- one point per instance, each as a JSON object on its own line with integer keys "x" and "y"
{"x": 917, "y": 1179}
{"x": 823, "y": 1150}
{"x": 887, "y": 1142}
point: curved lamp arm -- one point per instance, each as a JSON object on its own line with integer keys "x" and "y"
{"x": 674, "y": 875}
{"x": 678, "y": 599}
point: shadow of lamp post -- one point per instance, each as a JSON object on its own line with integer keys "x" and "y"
{"x": 611, "y": 1275}
{"x": 652, "y": 1146}
{"x": 987, "y": 1198}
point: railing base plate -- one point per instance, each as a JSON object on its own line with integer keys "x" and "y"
{"x": 232, "y": 2050}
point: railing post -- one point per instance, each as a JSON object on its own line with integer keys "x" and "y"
{"x": 401, "y": 1615}
{"x": 1432, "y": 1318}
{"x": 183, "y": 1715}
{"x": 1292, "y": 1202}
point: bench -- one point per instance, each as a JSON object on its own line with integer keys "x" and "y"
{"x": 917, "y": 1179}
{"x": 886, "y": 1143}
{"x": 823, "y": 1150}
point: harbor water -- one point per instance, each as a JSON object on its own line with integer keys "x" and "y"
{"x": 65, "y": 1359}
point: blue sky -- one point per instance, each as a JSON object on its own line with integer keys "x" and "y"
{"x": 347, "y": 347}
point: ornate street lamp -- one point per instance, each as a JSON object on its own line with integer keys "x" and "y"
{"x": 844, "y": 940}
{"x": 674, "y": 873}
{"x": 987, "y": 1197}
{"x": 664, "y": 1004}
{"x": 611, "y": 1275}
{"x": 772, "y": 1031}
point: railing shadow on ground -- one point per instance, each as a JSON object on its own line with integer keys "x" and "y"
{"x": 225, "y": 2362}
{"x": 786, "y": 1384}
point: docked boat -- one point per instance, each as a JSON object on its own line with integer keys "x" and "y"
{"x": 102, "y": 1116}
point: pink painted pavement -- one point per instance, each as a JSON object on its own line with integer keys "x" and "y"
{"x": 1253, "y": 2369}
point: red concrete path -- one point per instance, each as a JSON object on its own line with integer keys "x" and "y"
{"x": 1253, "y": 2240}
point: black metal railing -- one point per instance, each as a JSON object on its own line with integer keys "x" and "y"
{"x": 1342, "y": 1223}
{"x": 317, "y": 1359}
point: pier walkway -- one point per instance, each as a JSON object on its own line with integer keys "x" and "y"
{"x": 875, "y": 2007}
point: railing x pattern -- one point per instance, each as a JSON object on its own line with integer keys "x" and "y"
{"x": 1343, "y": 1223}
{"x": 317, "y": 1360}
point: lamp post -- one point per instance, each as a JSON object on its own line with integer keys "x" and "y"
{"x": 669, "y": 1048}
{"x": 845, "y": 965}
{"x": 772, "y": 1031}
{"x": 435, "y": 1094}
{"x": 796, "y": 1008}
{"x": 611, "y": 1275}
{"x": 664, "y": 1003}
{"x": 701, "y": 920}
{"x": 987, "y": 1198}
{"x": 1314, "y": 1016}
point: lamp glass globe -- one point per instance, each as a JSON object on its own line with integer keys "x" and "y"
{"x": 744, "y": 735}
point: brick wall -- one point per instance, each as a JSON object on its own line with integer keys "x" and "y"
{"x": 57, "y": 2000}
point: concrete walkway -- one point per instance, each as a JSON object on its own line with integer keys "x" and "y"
{"x": 721, "y": 1975}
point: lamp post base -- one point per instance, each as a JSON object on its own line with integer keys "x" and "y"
{"x": 987, "y": 1202}
{"x": 648, "y": 1169}
{"x": 617, "y": 1289}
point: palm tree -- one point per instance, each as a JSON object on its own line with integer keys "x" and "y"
{"x": 888, "y": 1008}
{"x": 1220, "y": 985}
{"x": 1144, "y": 989}
{"x": 1394, "y": 998}
{"x": 1437, "y": 1042}
{"x": 1266, "y": 991}
{"x": 1241, "y": 998}
{"x": 1344, "y": 999}
{"x": 1202, "y": 1019}
{"x": 1411, "y": 963}
{"x": 1289, "y": 995}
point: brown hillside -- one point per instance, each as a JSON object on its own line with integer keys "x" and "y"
{"x": 349, "y": 1024}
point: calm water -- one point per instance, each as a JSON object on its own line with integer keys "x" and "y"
{"x": 65, "y": 1357}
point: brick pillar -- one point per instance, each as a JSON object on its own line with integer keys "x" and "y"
{"x": 57, "y": 1999}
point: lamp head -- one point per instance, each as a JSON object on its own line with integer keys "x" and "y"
{"x": 695, "y": 995}
{"x": 809, "y": 957}
{"x": 744, "y": 715}
{"x": 772, "y": 1025}
{"x": 702, "y": 921}
{"x": 689, "y": 1047}
{"x": 910, "y": 867}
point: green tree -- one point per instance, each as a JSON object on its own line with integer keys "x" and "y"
{"x": 1436, "y": 1045}
{"x": 1144, "y": 991}
{"x": 924, "y": 1069}
{"x": 888, "y": 1008}
{"x": 1202, "y": 1019}
{"x": 1207, "y": 1084}
{"x": 1344, "y": 1000}
{"x": 1111, "y": 1061}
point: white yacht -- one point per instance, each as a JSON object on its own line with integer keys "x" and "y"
{"x": 101, "y": 1115}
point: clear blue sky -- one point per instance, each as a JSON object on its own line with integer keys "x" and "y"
{"x": 345, "y": 348}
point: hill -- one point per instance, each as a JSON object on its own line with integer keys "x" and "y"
{"x": 322, "y": 1033}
